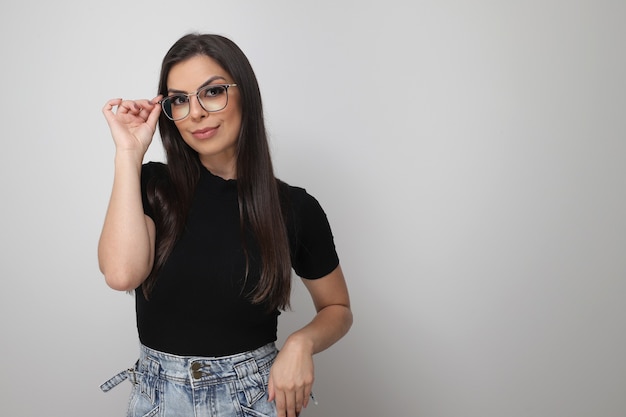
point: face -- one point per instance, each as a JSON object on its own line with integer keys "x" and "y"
{"x": 212, "y": 134}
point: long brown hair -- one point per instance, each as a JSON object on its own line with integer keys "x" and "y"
{"x": 259, "y": 203}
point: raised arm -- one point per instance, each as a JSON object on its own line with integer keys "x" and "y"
{"x": 126, "y": 246}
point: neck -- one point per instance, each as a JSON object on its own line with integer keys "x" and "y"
{"x": 225, "y": 169}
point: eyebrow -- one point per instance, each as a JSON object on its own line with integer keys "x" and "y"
{"x": 204, "y": 84}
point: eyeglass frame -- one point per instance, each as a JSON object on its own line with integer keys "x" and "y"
{"x": 197, "y": 94}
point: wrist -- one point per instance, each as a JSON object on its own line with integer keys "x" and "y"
{"x": 128, "y": 156}
{"x": 300, "y": 342}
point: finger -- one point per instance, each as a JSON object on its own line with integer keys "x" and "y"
{"x": 111, "y": 103}
{"x": 156, "y": 100}
{"x": 125, "y": 106}
{"x": 299, "y": 401}
{"x": 153, "y": 116}
{"x": 290, "y": 404}
{"x": 281, "y": 405}
{"x": 145, "y": 113}
{"x": 308, "y": 389}
{"x": 270, "y": 389}
{"x": 108, "y": 108}
{"x": 305, "y": 400}
{"x": 133, "y": 107}
{"x": 146, "y": 104}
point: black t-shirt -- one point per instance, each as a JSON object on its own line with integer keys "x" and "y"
{"x": 199, "y": 305}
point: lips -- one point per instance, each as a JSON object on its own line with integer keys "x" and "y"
{"x": 204, "y": 133}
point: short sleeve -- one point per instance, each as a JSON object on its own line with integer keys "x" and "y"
{"x": 313, "y": 253}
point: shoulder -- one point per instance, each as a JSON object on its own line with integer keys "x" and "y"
{"x": 297, "y": 200}
{"x": 301, "y": 210}
{"x": 153, "y": 169}
{"x": 313, "y": 253}
{"x": 153, "y": 173}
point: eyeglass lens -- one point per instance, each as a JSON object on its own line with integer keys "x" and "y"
{"x": 212, "y": 98}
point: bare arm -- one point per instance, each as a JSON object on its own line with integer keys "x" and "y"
{"x": 126, "y": 246}
{"x": 291, "y": 377}
{"x": 333, "y": 318}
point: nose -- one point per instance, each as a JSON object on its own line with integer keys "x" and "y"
{"x": 196, "y": 111}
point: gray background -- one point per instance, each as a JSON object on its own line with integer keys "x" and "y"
{"x": 469, "y": 155}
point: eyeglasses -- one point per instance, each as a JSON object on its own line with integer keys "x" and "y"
{"x": 212, "y": 98}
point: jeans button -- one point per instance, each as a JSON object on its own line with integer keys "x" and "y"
{"x": 195, "y": 368}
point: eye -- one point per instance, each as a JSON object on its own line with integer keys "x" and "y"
{"x": 178, "y": 100}
{"x": 213, "y": 91}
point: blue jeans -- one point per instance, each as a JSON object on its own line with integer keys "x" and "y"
{"x": 167, "y": 385}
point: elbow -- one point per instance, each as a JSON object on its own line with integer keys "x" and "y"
{"x": 123, "y": 280}
{"x": 119, "y": 285}
{"x": 349, "y": 319}
{"x": 342, "y": 316}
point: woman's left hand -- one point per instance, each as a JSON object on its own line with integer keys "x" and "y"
{"x": 291, "y": 379}
{"x": 291, "y": 376}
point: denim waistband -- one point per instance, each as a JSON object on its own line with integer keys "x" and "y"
{"x": 196, "y": 370}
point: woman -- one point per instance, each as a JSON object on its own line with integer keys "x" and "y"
{"x": 208, "y": 240}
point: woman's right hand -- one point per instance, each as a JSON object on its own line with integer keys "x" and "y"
{"x": 133, "y": 123}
